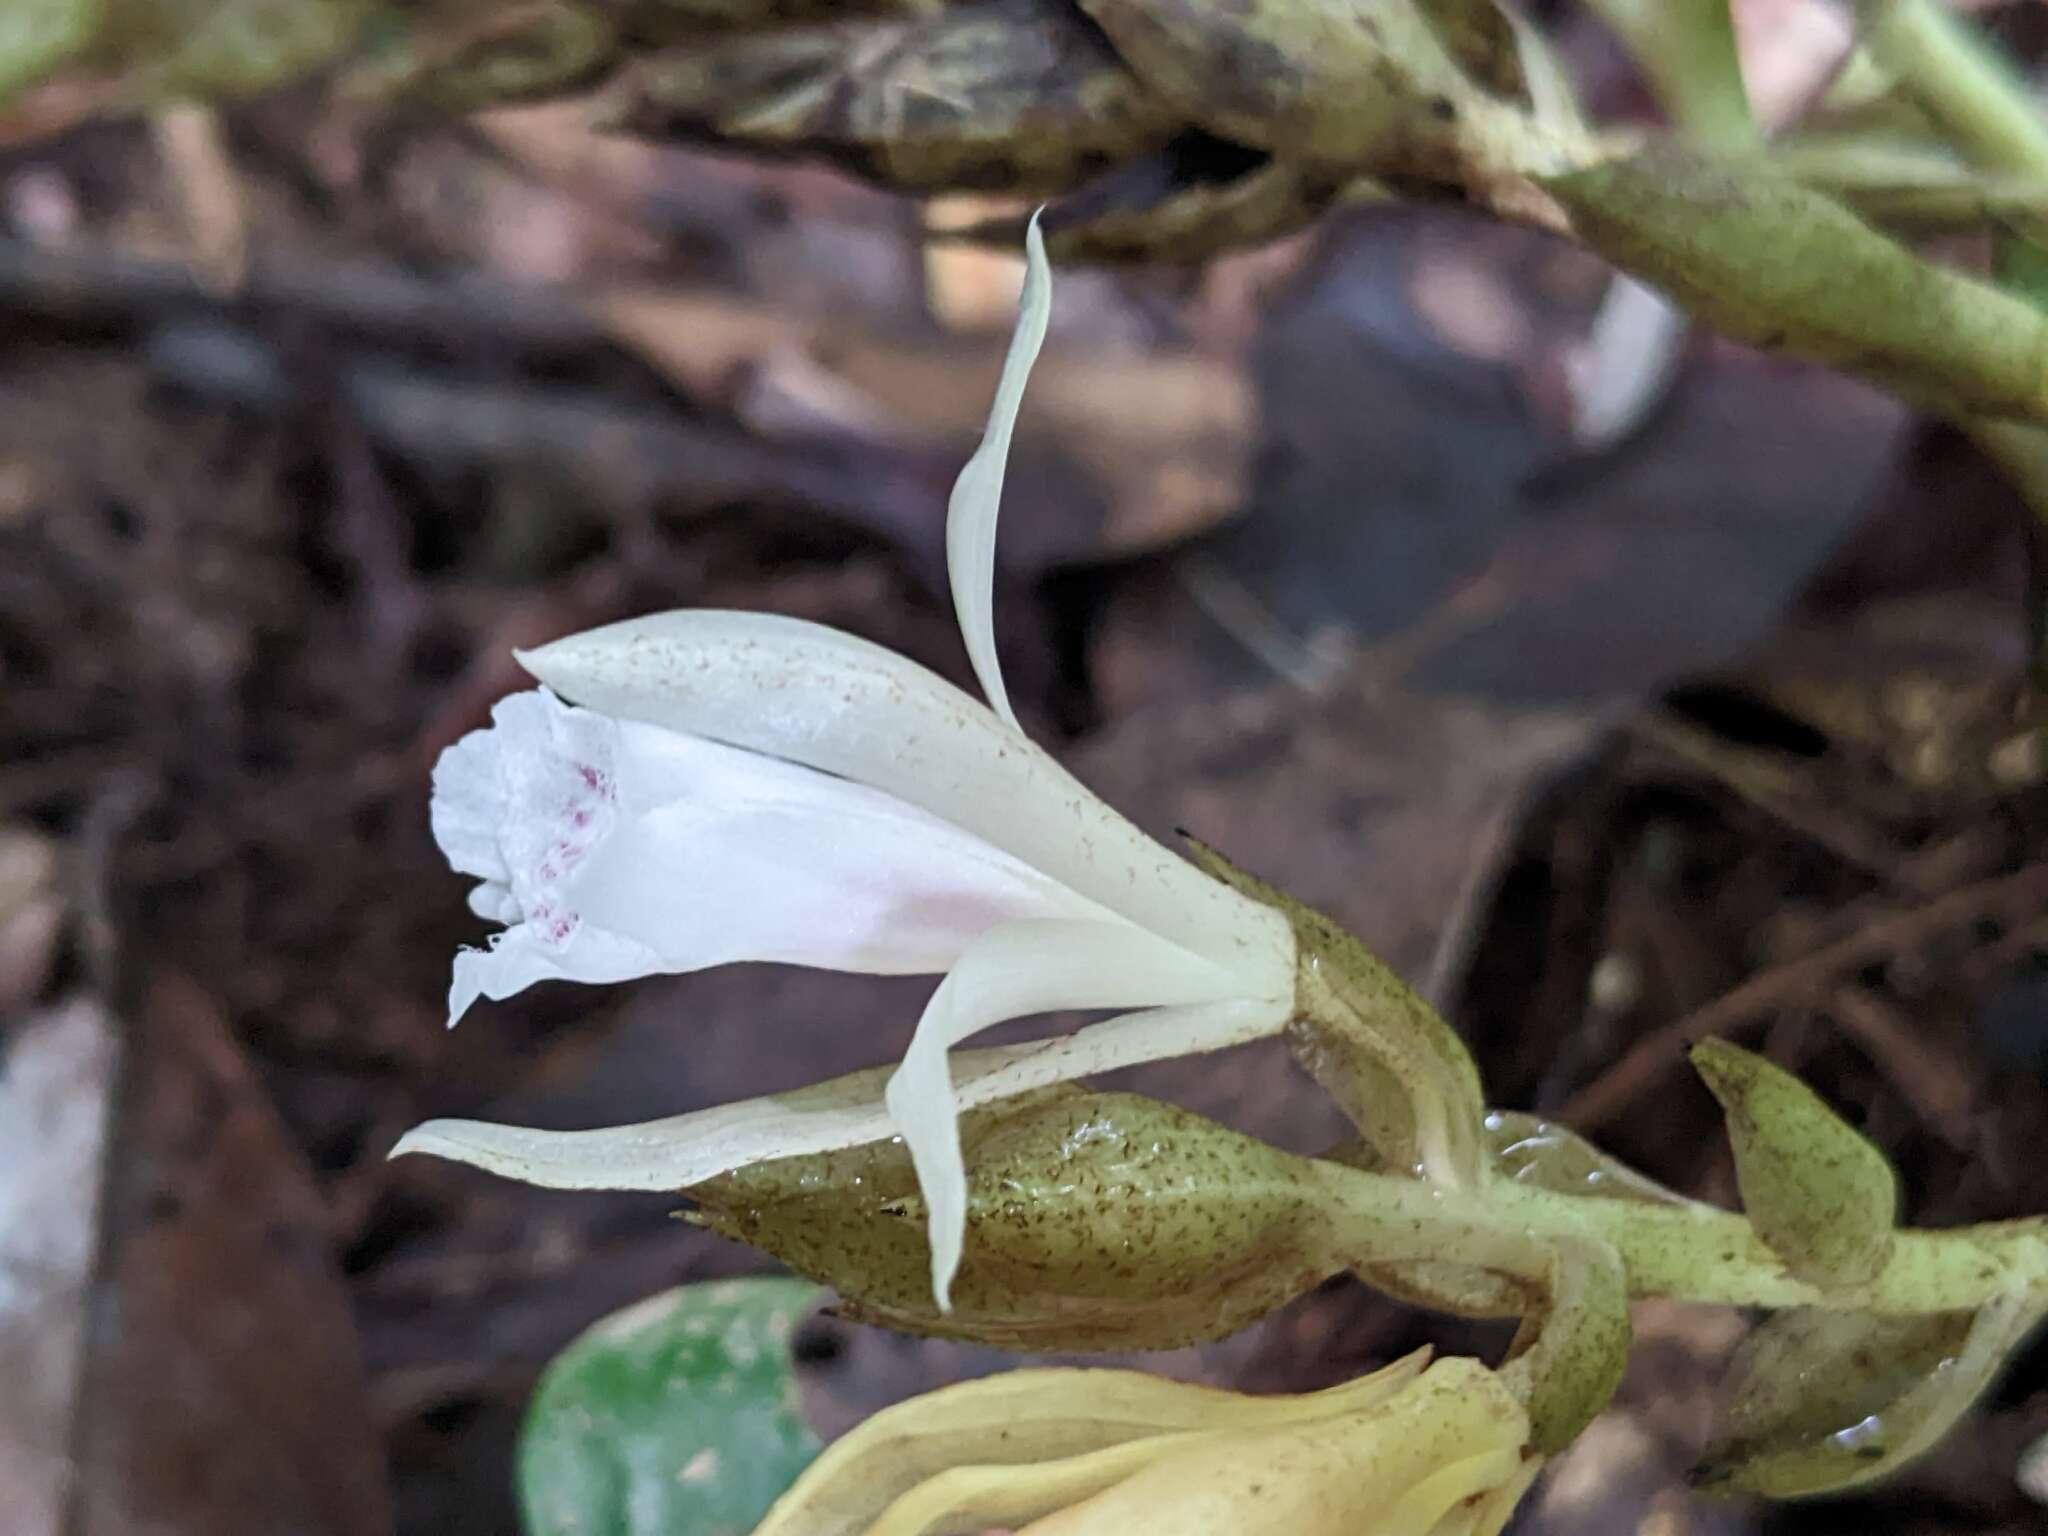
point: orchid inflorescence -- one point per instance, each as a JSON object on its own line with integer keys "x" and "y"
{"x": 698, "y": 788}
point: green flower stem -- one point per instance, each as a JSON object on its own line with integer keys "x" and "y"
{"x": 1686, "y": 49}
{"x": 1690, "y": 1251}
{"x": 1987, "y": 111}
{"x": 1982, "y": 105}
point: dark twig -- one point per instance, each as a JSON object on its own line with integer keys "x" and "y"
{"x": 1936, "y": 1082}
{"x": 97, "y": 287}
{"x": 1656, "y": 1053}
{"x": 581, "y": 435}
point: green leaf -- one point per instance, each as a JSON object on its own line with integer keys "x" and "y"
{"x": 1821, "y": 1196}
{"x": 1822, "y": 1400}
{"x": 675, "y": 1417}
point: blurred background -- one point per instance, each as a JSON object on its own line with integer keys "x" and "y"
{"x": 1606, "y": 725}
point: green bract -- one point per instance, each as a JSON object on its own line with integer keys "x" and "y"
{"x": 1393, "y": 1065}
{"x": 1822, "y": 1400}
{"x": 1821, "y": 1195}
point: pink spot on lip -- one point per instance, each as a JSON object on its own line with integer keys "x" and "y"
{"x": 553, "y": 924}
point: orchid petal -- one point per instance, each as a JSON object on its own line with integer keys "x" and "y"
{"x": 520, "y": 956}
{"x": 1011, "y": 972}
{"x": 617, "y": 850}
{"x": 827, "y": 700}
{"x": 978, "y": 493}
{"x": 990, "y": 1495}
{"x": 1424, "y": 1506}
{"x": 672, "y": 1154}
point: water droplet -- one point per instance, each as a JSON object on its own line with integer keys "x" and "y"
{"x": 1864, "y": 1438}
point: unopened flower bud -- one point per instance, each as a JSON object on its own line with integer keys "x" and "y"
{"x": 1441, "y": 1451}
{"x": 1094, "y": 1220}
{"x": 1818, "y": 1192}
{"x": 1820, "y": 1400}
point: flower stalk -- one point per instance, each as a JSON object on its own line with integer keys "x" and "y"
{"x": 1689, "y": 1252}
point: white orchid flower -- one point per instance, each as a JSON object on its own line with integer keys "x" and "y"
{"x": 726, "y": 786}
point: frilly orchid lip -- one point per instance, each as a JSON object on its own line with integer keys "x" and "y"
{"x": 607, "y": 846}
{"x": 738, "y": 786}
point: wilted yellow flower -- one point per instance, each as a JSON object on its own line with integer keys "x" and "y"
{"x": 1412, "y": 1450}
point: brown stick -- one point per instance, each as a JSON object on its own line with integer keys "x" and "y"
{"x": 1655, "y": 1053}
{"x": 1935, "y": 1080}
